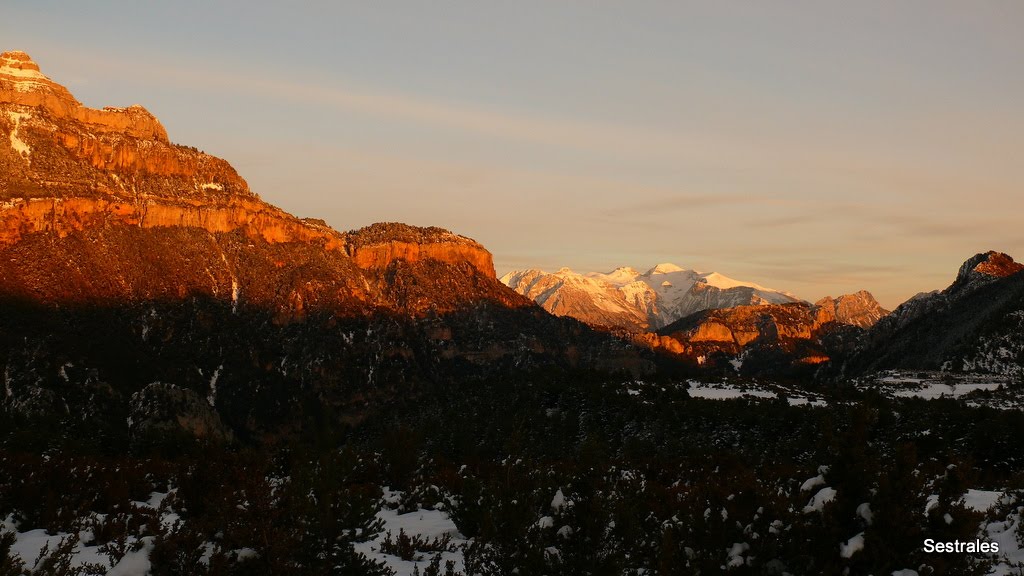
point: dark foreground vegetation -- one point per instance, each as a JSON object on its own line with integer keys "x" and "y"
{"x": 550, "y": 474}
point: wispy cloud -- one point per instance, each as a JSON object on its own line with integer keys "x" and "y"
{"x": 391, "y": 105}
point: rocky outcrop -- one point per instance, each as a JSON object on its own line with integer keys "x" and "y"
{"x": 858, "y": 309}
{"x": 982, "y": 269}
{"x": 955, "y": 328}
{"x": 377, "y": 246}
{"x": 792, "y": 334}
{"x": 713, "y": 331}
{"x": 975, "y": 273}
{"x": 22, "y": 84}
{"x": 64, "y": 215}
{"x": 732, "y": 329}
{"x": 163, "y": 412}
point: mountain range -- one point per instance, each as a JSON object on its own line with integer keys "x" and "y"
{"x": 107, "y": 227}
{"x": 625, "y": 298}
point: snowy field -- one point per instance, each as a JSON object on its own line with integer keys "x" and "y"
{"x": 428, "y": 525}
{"x": 991, "y": 390}
{"x": 30, "y": 545}
{"x": 727, "y": 391}
{"x": 731, "y": 391}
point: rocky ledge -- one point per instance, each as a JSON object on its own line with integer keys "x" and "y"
{"x": 70, "y": 168}
{"x": 376, "y": 246}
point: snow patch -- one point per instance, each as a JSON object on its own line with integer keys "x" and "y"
{"x": 981, "y": 500}
{"x": 427, "y": 524}
{"x": 134, "y": 563}
{"x": 736, "y": 553}
{"x": 812, "y": 483}
{"x": 559, "y": 501}
{"x": 725, "y": 391}
{"x": 817, "y": 503}
{"x": 19, "y": 145}
{"x": 212, "y": 396}
{"x": 852, "y": 546}
{"x": 864, "y": 511}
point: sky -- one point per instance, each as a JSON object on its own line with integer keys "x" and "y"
{"x": 817, "y": 147}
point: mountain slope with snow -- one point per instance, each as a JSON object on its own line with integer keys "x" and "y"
{"x": 626, "y": 298}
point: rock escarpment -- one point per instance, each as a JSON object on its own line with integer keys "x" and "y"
{"x": 22, "y": 84}
{"x": 377, "y": 246}
{"x": 88, "y": 180}
{"x": 795, "y": 333}
{"x": 858, "y": 309}
{"x": 69, "y": 168}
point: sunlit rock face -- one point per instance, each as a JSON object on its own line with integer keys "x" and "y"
{"x": 858, "y": 309}
{"x": 377, "y": 246}
{"x": 82, "y": 187}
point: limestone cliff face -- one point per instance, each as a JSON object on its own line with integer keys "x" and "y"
{"x": 858, "y": 309}
{"x": 62, "y": 216}
{"x": 805, "y": 334}
{"x": 72, "y": 173}
{"x": 731, "y": 330}
{"x": 67, "y": 166}
{"x": 377, "y": 246}
{"x": 22, "y": 84}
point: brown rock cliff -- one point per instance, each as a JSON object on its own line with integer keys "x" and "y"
{"x": 100, "y": 205}
{"x": 377, "y": 246}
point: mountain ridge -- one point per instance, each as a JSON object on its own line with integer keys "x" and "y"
{"x": 627, "y": 299}
{"x": 953, "y": 328}
{"x": 75, "y": 170}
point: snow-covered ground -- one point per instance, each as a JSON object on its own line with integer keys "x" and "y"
{"x": 720, "y": 391}
{"x": 1002, "y": 530}
{"x": 991, "y": 390}
{"x": 425, "y": 524}
{"x": 729, "y": 391}
{"x": 30, "y": 543}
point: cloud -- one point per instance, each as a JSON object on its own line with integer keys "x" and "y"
{"x": 466, "y": 117}
{"x": 784, "y": 221}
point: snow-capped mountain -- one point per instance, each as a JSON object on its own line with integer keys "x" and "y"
{"x": 626, "y": 298}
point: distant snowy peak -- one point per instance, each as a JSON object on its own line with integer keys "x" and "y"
{"x": 626, "y": 298}
{"x": 665, "y": 268}
{"x": 567, "y": 293}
